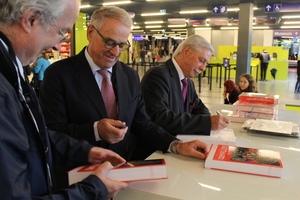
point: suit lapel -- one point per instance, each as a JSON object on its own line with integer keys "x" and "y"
{"x": 121, "y": 89}
{"x": 175, "y": 83}
{"x": 85, "y": 78}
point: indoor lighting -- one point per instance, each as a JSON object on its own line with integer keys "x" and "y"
{"x": 85, "y": 6}
{"x": 157, "y": 30}
{"x": 117, "y": 2}
{"x": 193, "y": 11}
{"x": 153, "y": 26}
{"x": 290, "y": 17}
{"x": 154, "y": 22}
{"x": 134, "y": 27}
{"x": 230, "y": 28}
{"x": 260, "y": 27}
{"x": 296, "y": 22}
{"x": 150, "y": 14}
{"x": 290, "y": 27}
{"x": 173, "y": 26}
{"x": 208, "y": 28}
{"x": 237, "y": 9}
{"x": 137, "y": 30}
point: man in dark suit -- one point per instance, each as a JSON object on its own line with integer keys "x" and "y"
{"x": 27, "y": 147}
{"x": 73, "y": 99}
{"x": 162, "y": 90}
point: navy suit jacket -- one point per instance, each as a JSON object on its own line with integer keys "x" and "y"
{"x": 72, "y": 102}
{"x": 164, "y": 102}
{"x": 26, "y": 152}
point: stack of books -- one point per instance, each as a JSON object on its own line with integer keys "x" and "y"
{"x": 254, "y": 106}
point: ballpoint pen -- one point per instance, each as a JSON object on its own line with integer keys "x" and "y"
{"x": 218, "y": 113}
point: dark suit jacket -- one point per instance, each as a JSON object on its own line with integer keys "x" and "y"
{"x": 164, "y": 102}
{"x": 26, "y": 152}
{"x": 72, "y": 102}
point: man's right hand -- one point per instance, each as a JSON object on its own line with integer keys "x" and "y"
{"x": 113, "y": 187}
{"x": 112, "y": 131}
{"x": 219, "y": 122}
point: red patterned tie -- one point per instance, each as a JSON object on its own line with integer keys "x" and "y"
{"x": 184, "y": 88}
{"x": 108, "y": 95}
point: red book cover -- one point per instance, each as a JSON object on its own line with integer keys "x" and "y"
{"x": 139, "y": 170}
{"x": 245, "y": 160}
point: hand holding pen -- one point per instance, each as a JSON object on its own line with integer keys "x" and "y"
{"x": 219, "y": 122}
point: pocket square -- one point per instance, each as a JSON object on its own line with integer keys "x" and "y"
{"x": 191, "y": 105}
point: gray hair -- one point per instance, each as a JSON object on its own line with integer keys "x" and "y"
{"x": 99, "y": 16}
{"x": 196, "y": 43}
{"x": 11, "y": 11}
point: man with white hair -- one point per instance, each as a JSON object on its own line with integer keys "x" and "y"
{"x": 27, "y": 147}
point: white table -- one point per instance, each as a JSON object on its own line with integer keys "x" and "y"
{"x": 189, "y": 180}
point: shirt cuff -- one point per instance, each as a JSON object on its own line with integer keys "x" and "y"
{"x": 97, "y": 137}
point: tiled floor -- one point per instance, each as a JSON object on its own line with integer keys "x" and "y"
{"x": 283, "y": 88}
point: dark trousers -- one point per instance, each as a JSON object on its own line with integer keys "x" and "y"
{"x": 263, "y": 71}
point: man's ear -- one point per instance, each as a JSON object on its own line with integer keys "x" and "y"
{"x": 29, "y": 20}
{"x": 89, "y": 32}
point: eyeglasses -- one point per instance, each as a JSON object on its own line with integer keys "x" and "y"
{"x": 109, "y": 43}
{"x": 64, "y": 36}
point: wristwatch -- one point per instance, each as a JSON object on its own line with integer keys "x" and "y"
{"x": 174, "y": 146}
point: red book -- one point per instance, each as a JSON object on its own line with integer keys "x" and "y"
{"x": 259, "y": 98}
{"x": 139, "y": 170}
{"x": 244, "y": 160}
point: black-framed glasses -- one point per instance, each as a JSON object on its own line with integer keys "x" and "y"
{"x": 64, "y": 36}
{"x": 109, "y": 43}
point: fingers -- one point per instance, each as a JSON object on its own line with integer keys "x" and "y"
{"x": 112, "y": 131}
{"x": 219, "y": 122}
{"x": 193, "y": 148}
{"x": 113, "y": 187}
{"x": 99, "y": 155}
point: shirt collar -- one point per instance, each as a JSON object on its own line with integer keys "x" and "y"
{"x": 93, "y": 66}
{"x": 179, "y": 71}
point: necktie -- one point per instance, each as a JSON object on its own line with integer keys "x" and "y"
{"x": 184, "y": 88}
{"x": 108, "y": 95}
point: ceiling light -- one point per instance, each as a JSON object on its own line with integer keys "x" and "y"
{"x": 193, "y": 11}
{"x": 260, "y": 27}
{"x": 154, "y": 22}
{"x": 290, "y": 27}
{"x": 295, "y": 22}
{"x": 230, "y": 28}
{"x": 208, "y": 28}
{"x": 137, "y": 30}
{"x": 85, "y": 6}
{"x": 290, "y": 17}
{"x": 115, "y": 3}
{"x": 150, "y": 14}
{"x": 134, "y": 27}
{"x": 173, "y": 26}
{"x": 157, "y": 30}
{"x": 153, "y": 26}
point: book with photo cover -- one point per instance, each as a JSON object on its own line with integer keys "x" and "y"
{"x": 244, "y": 160}
{"x": 139, "y": 170}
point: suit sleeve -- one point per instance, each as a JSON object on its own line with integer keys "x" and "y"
{"x": 161, "y": 102}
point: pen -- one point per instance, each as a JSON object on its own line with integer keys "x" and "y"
{"x": 218, "y": 113}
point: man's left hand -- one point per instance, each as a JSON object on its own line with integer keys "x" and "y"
{"x": 100, "y": 155}
{"x": 193, "y": 148}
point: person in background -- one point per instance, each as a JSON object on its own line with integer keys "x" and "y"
{"x": 74, "y": 96}
{"x": 163, "y": 87}
{"x": 42, "y": 63}
{"x": 27, "y": 147}
{"x": 230, "y": 93}
{"x": 247, "y": 84}
{"x": 264, "y": 62}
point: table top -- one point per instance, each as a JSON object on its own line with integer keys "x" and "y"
{"x": 189, "y": 180}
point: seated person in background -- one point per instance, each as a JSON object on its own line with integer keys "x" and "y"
{"x": 163, "y": 87}
{"x": 247, "y": 84}
{"x": 230, "y": 93}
